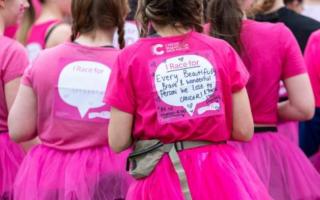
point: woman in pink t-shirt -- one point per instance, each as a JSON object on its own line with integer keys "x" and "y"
{"x": 180, "y": 95}
{"x": 312, "y": 127}
{"x": 48, "y": 29}
{"x": 61, "y": 102}
{"x": 271, "y": 54}
{"x": 13, "y": 61}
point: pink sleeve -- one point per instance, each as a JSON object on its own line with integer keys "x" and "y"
{"x": 119, "y": 92}
{"x": 16, "y": 65}
{"x": 312, "y": 60}
{"x": 27, "y": 76}
{"x": 239, "y": 75}
{"x": 293, "y": 62}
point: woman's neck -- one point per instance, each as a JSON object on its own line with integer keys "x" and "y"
{"x": 96, "y": 38}
{"x": 165, "y": 31}
{"x": 50, "y": 11}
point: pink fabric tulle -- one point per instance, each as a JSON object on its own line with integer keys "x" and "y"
{"x": 11, "y": 155}
{"x": 290, "y": 130}
{"x": 216, "y": 172}
{"x": 282, "y": 166}
{"x": 50, "y": 174}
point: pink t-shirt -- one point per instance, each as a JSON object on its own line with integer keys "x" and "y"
{"x": 36, "y": 40}
{"x": 270, "y": 53}
{"x": 13, "y": 61}
{"x": 11, "y": 31}
{"x": 70, "y": 82}
{"x": 178, "y": 88}
{"x": 312, "y": 58}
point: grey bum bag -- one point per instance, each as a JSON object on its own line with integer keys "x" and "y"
{"x": 147, "y": 153}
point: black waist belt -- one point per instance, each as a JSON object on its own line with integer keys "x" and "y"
{"x": 265, "y": 129}
{"x": 180, "y": 146}
{"x": 2, "y": 132}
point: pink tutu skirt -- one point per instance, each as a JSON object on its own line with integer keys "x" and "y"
{"x": 87, "y": 174}
{"x": 290, "y": 130}
{"x": 315, "y": 159}
{"x": 218, "y": 172}
{"x": 11, "y": 155}
{"x": 283, "y": 167}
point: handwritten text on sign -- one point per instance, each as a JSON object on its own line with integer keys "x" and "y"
{"x": 186, "y": 87}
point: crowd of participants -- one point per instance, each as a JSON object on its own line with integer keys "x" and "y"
{"x": 159, "y": 100}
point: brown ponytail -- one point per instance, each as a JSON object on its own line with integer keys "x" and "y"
{"x": 125, "y": 10}
{"x": 225, "y": 17}
{"x": 205, "y": 8}
{"x": 89, "y": 15}
{"x": 170, "y": 12}
{"x": 133, "y": 9}
{"x": 82, "y": 19}
{"x": 121, "y": 33}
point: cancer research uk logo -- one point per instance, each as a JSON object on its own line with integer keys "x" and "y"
{"x": 158, "y": 49}
{"x": 161, "y": 49}
{"x": 186, "y": 87}
{"x": 82, "y": 85}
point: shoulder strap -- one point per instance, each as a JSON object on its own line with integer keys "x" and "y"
{"x": 52, "y": 28}
{"x": 175, "y": 159}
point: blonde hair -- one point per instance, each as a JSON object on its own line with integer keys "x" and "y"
{"x": 261, "y": 6}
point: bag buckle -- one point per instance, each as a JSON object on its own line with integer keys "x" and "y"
{"x": 179, "y": 146}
